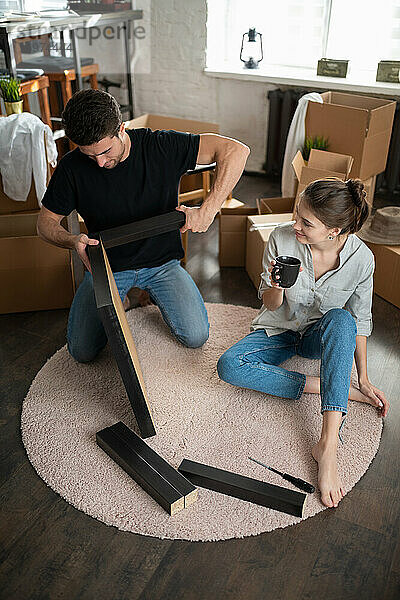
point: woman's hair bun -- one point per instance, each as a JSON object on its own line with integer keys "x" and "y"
{"x": 357, "y": 191}
{"x": 338, "y": 203}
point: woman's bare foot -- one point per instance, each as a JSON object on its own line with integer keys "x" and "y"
{"x": 328, "y": 479}
{"x": 356, "y": 394}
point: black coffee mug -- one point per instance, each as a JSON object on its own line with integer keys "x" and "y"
{"x": 288, "y": 269}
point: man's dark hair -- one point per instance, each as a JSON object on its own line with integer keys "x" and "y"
{"x": 91, "y": 115}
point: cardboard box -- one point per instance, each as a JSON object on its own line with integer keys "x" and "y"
{"x": 34, "y": 275}
{"x": 9, "y": 206}
{"x": 359, "y": 126}
{"x": 233, "y": 226}
{"x": 159, "y": 122}
{"x": 387, "y": 272}
{"x": 232, "y": 232}
{"x": 275, "y": 205}
{"x": 320, "y": 165}
{"x": 257, "y": 240}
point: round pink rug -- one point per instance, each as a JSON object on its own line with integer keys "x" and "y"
{"x": 197, "y": 416}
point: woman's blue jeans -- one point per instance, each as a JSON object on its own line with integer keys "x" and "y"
{"x": 254, "y": 361}
{"x": 171, "y": 288}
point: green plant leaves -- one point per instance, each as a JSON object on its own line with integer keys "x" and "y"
{"x": 10, "y": 89}
{"x": 317, "y": 142}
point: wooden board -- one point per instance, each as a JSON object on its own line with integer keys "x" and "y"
{"x": 119, "y": 335}
{"x": 141, "y": 471}
{"x": 140, "y": 230}
{"x": 245, "y": 488}
{"x": 163, "y": 468}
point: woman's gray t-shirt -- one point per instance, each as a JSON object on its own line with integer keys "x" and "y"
{"x": 349, "y": 286}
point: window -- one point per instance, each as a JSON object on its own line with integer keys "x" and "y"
{"x": 364, "y": 32}
{"x": 6, "y": 5}
{"x": 299, "y": 32}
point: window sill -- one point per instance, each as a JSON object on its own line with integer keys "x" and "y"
{"x": 363, "y": 81}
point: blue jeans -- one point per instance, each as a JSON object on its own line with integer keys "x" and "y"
{"x": 253, "y": 361}
{"x": 171, "y": 288}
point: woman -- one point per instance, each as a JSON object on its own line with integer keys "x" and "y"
{"x": 326, "y": 314}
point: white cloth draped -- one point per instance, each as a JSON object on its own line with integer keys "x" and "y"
{"x": 22, "y": 153}
{"x": 295, "y": 141}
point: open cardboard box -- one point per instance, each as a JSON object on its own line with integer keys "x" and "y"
{"x": 34, "y": 274}
{"x": 359, "y": 126}
{"x": 321, "y": 164}
{"x": 275, "y": 205}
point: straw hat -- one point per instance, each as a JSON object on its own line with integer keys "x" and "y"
{"x": 383, "y": 227}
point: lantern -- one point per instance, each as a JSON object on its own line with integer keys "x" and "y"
{"x": 251, "y": 52}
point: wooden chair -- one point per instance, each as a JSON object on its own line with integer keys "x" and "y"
{"x": 44, "y": 42}
{"x": 39, "y": 85}
{"x": 58, "y": 69}
{"x": 64, "y": 79}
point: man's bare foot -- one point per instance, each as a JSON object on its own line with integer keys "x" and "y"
{"x": 136, "y": 297}
{"x": 126, "y": 304}
{"x": 356, "y": 394}
{"x": 328, "y": 479}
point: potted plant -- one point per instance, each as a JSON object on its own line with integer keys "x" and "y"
{"x": 10, "y": 92}
{"x": 318, "y": 142}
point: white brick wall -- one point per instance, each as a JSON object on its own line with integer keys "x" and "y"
{"x": 176, "y": 85}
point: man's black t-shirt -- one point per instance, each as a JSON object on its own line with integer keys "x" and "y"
{"x": 144, "y": 185}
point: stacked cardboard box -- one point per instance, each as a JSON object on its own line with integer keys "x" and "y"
{"x": 233, "y": 226}
{"x": 361, "y": 126}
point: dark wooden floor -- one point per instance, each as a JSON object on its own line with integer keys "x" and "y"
{"x": 50, "y": 550}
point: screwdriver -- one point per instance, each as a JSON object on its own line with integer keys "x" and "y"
{"x": 300, "y": 483}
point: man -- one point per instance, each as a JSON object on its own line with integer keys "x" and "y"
{"x": 115, "y": 177}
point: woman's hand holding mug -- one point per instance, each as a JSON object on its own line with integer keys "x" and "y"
{"x": 275, "y": 278}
